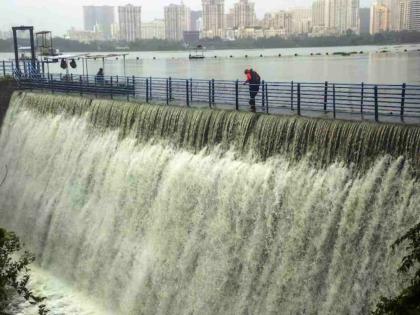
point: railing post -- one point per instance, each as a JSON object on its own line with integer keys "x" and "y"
{"x": 51, "y": 83}
{"x": 147, "y": 90}
{"x": 187, "y": 92}
{"x": 403, "y": 91}
{"x": 325, "y": 95}
{"x": 4, "y": 69}
{"x": 212, "y": 92}
{"x": 266, "y": 98}
{"x": 263, "y": 95}
{"x": 127, "y": 85}
{"x": 81, "y": 85}
{"x": 170, "y": 88}
{"x": 134, "y": 86}
{"x": 151, "y": 89}
{"x": 167, "y": 92}
{"x": 362, "y": 95}
{"x": 96, "y": 86}
{"x": 112, "y": 88}
{"x": 376, "y": 103}
{"x": 191, "y": 89}
{"x": 237, "y": 94}
{"x": 298, "y": 99}
{"x": 292, "y": 88}
{"x": 334, "y": 114}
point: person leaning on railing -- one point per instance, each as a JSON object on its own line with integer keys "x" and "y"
{"x": 253, "y": 79}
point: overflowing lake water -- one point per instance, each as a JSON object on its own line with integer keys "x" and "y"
{"x": 143, "y": 209}
{"x": 372, "y": 64}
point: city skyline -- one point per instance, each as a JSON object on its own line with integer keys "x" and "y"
{"x": 51, "y": 14}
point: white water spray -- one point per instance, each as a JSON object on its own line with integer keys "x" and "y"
{"x": 150, "y": 228}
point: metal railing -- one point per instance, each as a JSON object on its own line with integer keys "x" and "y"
{"x": 361, "y": 101}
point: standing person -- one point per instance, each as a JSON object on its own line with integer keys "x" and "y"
{"x": 253, "y": 79}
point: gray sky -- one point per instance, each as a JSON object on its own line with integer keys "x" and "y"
{"x": 59, "y": 15}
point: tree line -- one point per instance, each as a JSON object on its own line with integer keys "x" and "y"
{"x": 350, "y": 39}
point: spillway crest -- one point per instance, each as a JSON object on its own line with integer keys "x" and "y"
{"x": 168, "y": 210}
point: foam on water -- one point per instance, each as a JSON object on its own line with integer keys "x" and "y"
{"x": 61, "y": 298}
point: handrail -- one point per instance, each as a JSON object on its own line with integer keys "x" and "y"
{"x": 336, "y": 100}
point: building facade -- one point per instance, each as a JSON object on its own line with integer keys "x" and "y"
{"x": 5, "y": 34}
{"x": 84, "y": 36}
{"x": 301, "y": 21}
{"x": 99, "y": 19}
{"x": 342, "y": 16}
{"x": 379, "y": 18}
{"x": 230, "y": 20}
{"x": 129, "y": 18}
{"x": 213, "y": 18}
{"x": 404, "y": 15}
{"x": 364, "y": 24}
{"x": 244, "y": 14}
{"x": 153, "y": 30}
{"x": 319, "y": 11}
{"x": 177, "y": 20}
{"x": 283, "y": 23}
{"x": 196, "y": 17}
{"x": 414, "y": 24}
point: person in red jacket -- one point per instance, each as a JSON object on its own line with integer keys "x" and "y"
{"x": 253, "y": 79}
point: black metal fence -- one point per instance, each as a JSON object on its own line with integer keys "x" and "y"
{"x": 361, "y": 101}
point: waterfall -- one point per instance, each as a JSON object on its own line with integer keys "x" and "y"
{"x": 168, "y": 210}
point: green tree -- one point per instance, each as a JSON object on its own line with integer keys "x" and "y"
{"x": 408, "y": 301}
{"x": 14, "y": 277}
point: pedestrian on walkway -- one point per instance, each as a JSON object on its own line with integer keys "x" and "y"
{"x": 253, "y": 79}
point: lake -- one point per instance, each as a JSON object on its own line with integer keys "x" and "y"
{"x": 400, "y": 63}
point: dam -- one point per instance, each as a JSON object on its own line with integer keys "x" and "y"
{"x": 149, "y": 209}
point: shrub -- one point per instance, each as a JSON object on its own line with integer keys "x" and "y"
{"x": 408, "y": 301}
{"x": 14, "y": 270}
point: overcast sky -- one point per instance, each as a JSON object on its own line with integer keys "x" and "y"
{"x": 59, "y": 15}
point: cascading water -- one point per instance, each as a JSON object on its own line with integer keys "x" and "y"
{"x": 163, "y": 210}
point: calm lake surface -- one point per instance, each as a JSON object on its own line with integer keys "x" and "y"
{"x": 400, "y": 63}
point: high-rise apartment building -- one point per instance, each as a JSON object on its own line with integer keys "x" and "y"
{"x": 244, "y": 14}
{"x": 319, "y": 14}
{"x": 353, "y": 19}
{"x": 394, "y": 13}
{"x": 153, "y": 30}
{"x": 213, "y": 18}
{"x": 379, "y": 18}
{"x": 301, "y": 20}
{"x": 195, "y": 20}
{"x": 230, "y": 20}
{"x": 342, "y": 16}
{"x": 129, "y": 18}
{"x": 99, "y": 19}
{"x": 5, "y": 34}
{"x": 177, "y": 20}
{"x": 282, "y": 21}
{"x": 267, "y": 21}
{"x": 414, "y": 24}
{"x": 364, "y": 24}
{"x": 404, "y": 15}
